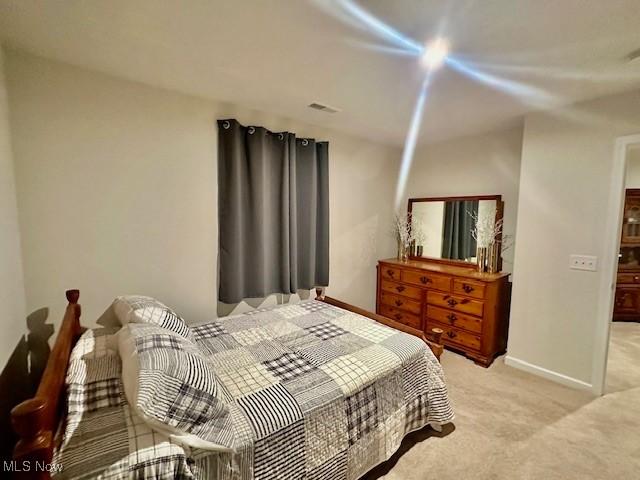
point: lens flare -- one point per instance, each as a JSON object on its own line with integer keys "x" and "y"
{"x": 435, "y": 54}
{"x": 411, "y": 140}
{"x": 376, "y": 26}
{"x": 531, "y": 95}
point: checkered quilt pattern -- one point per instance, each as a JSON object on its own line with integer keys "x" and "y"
{"x": 314, "y": 392}
{"x": 102, "y": 436}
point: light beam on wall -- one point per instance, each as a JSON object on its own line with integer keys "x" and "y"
{"x": 411, "y": 140}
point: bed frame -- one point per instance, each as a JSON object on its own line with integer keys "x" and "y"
{"x": 37, "y": 419}
{"x": 434, "y": 342}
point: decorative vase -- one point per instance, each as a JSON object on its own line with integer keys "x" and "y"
{"x": 403, "y": 252}
{"x": 492, "y": 261}
{"x": 481, "y": 257}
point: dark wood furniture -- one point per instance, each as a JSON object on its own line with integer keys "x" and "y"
{"x": 471, "y": 308}
{"x": 627, "y": 299}
{"x": 36, "y": 420}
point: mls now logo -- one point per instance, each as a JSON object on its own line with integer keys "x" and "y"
{"x": 27, "y": 466}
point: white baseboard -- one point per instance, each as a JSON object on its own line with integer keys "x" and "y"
{"x": 548, "y": 374}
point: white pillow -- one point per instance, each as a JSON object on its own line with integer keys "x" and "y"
{"x": 141, "y": 309}
{"x": 170, "y": 385}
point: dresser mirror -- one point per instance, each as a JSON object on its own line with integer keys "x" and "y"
{"x": 446, "y": 224}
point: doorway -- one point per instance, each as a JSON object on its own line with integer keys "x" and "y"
{"x": 609, "y": 277}
{"x": 623, "y": 372}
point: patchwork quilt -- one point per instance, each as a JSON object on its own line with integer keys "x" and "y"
{"x": 102, "y": 436}
{"x": 314, "y": 392}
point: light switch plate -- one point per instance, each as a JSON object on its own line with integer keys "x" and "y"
{"x": 583, "y": 262}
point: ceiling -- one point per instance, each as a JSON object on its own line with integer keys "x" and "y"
{"x": 281, "y": 55}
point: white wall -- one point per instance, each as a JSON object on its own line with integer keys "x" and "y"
{"x": 487, "y": 164}
{"x": 117, "y": 191}
{"x": 632, "y": 179}
{"x": 12, "y": 300}
{"x": 564, "y": 194}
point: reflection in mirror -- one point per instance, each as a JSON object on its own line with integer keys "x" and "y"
{"x": 447, "y": 226}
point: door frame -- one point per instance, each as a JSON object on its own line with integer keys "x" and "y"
{"x": 610, "y": 261}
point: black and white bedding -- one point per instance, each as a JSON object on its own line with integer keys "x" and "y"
{"x": 312, "y": 392}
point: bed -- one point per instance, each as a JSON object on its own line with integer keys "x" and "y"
{"x": 317, "y": 390}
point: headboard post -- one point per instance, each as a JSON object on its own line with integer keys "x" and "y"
{"x": 36, "y": 420}
{"x": 35, "y": 446}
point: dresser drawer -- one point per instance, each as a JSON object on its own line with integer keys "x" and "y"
{"x": 454, "y": 336}
{"x": 426, "y": 279}
{"x": 468, "y": 288}
{"x": 396, "y": 301}
{"x": 401, "y": 316}
{"x": 628, "y": 278}
{"x": 390, "y": 273}
{"x": 454, "y": 319}
{"x": 461, "y": 304}
{"x": 400, "y": 289}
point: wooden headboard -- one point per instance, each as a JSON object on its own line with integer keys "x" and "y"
{"x": 35, "y": 420}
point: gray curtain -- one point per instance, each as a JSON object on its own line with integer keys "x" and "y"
{"x": 273, "y": 210}
{"x": 457, "y": 242}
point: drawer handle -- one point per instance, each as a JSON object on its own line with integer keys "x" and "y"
{"x": 451, "y": 334}
{"x": 425, "y": 280}
{"x": 390, "y": 273}
{"x": 467, "y": 288}
{"x": 636, "y": 278}
{"x": 398, "y": 316}
{"x": 400, "y": 288}
{"x": 452, "y": 318}
{"x": 399, "y": 302}
{"x": 452, "y": 302}
{"x": 464, "y": 300}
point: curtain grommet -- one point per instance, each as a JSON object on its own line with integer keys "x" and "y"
{"x": 252, "y": 130}
{"x": 281, "y": 136}
{"x": 226, "y": 124}
{"x": 305, "y": 142}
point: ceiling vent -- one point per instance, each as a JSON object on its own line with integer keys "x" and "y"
{"x": 323, "y": 108}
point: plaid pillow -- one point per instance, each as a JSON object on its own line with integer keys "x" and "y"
{"x": 173, "y": 387}
{"x": 140, "y": 309}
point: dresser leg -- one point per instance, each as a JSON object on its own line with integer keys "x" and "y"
{"x": 482, "y": 361}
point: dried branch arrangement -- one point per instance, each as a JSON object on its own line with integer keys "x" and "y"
{"x": 486, "y": 231}
{"x": 407, "y": 231}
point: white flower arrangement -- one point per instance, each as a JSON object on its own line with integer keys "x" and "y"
{"x": 402, "y": 229}
{"x": 488, "y": 234}
{"x": 407, "y": 231}
{"x": 486, "y": 231}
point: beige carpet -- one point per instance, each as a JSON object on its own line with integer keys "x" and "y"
{"x": 512, "y": 425}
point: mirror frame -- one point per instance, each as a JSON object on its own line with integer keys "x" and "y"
{"x": 499, "y": 216}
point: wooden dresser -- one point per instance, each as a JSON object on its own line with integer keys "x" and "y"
{"x": 471, "y": 308}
